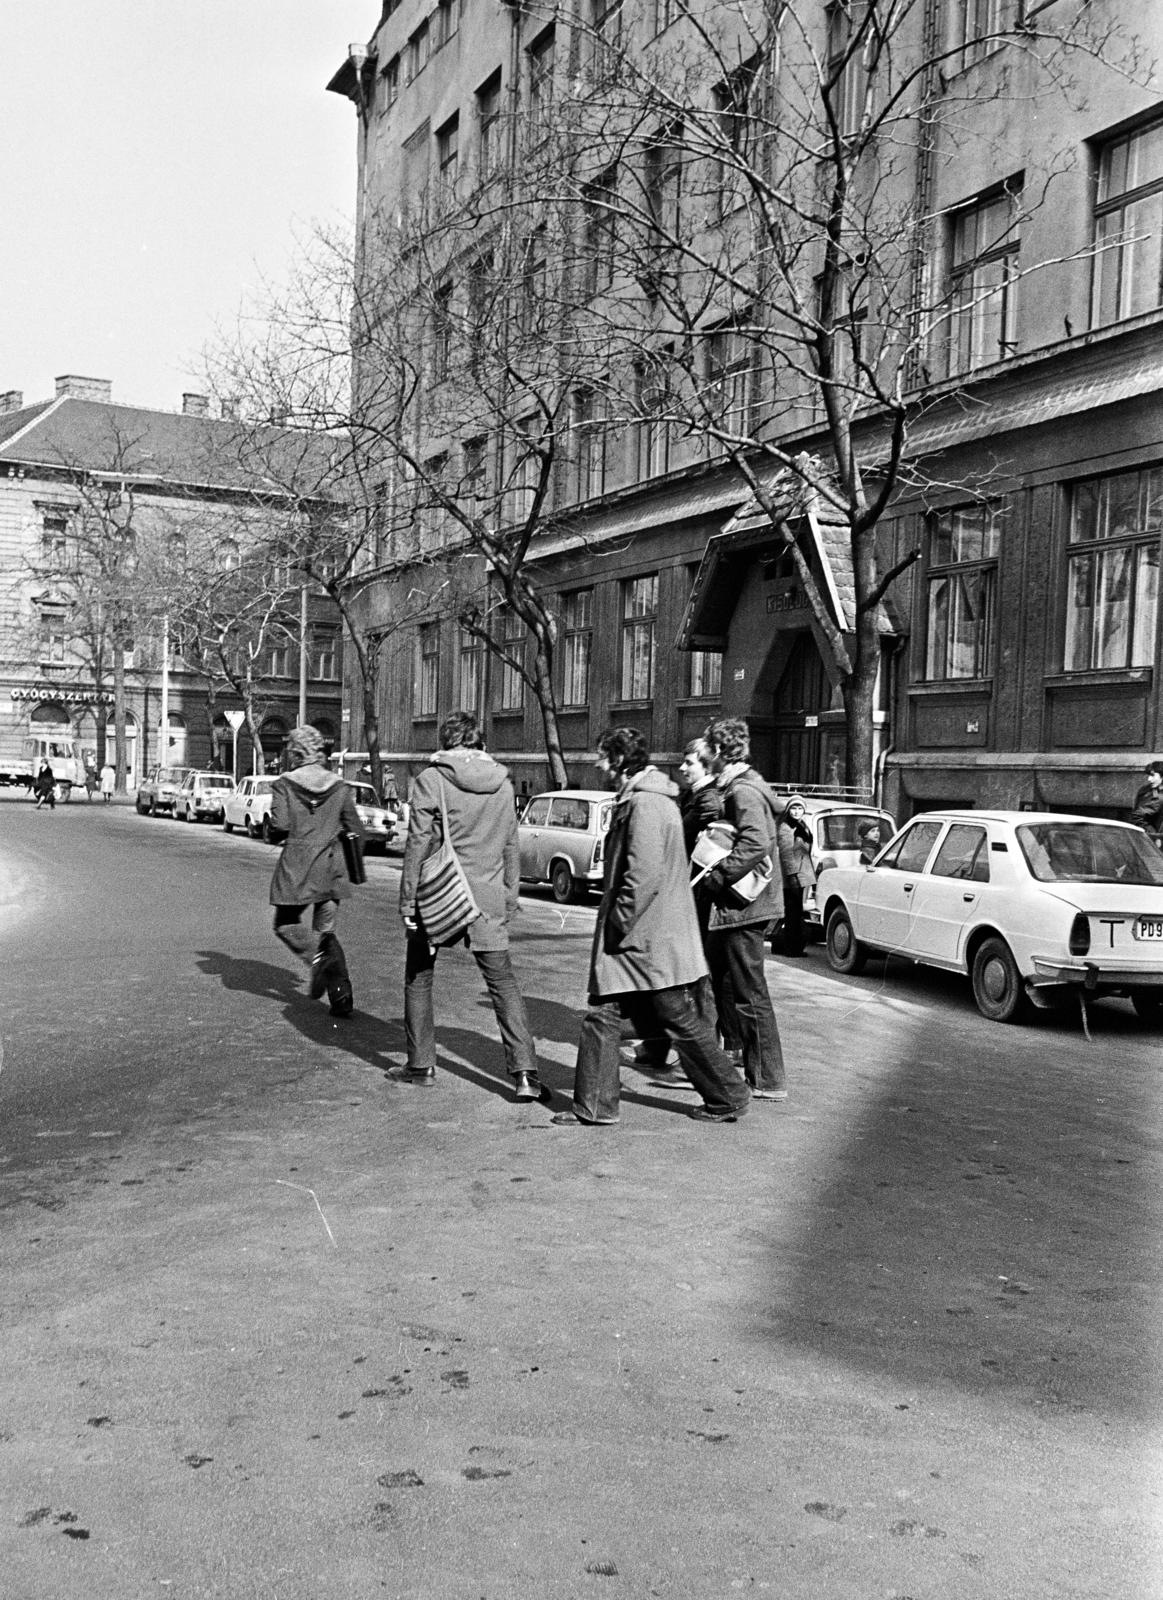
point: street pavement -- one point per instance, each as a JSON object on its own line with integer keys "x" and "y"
{"x": 278, "y": 1328}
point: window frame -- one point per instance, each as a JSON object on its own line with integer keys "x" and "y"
{"x": 426, "y": 700}
{"x": 577, "y": 643}
{"x": 637, "y": 658}
{"x": 1140, "y": 546}
{"x": 1107, "y": 207}
{"x": 971, "y": 302}
{"x": 985, "y": 566}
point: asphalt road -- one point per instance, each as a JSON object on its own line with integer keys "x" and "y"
{"x": 274, "y": 1326}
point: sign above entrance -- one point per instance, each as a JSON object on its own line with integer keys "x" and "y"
{"x": 60, "y": 694}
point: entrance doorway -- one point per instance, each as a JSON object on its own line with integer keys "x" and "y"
{"x": 801, "y": 695}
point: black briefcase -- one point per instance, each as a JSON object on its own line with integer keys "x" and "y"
{"x": 353, "y": 856}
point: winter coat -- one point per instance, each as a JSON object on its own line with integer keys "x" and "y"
{"x": 1148, "y": 808}
{"x": 482, "y": 827}
{"x": 795, "y": 848}
{"x": 699, "y": 808}
{"x": 752, "y": 809}
{"x": 312, "y": 807}
{"x": 45, "y": 782}
{"x": 647, "y": 934}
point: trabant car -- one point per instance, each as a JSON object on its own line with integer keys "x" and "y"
{"x": 248, "y": 805}
{"x": 1029, "y": 905}
{"x": 379, "y": 821}
{"x": 563, "y": 837}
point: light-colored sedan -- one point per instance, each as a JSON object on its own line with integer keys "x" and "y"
{"x": 563, "y": 838}
{"x": 380, "y": 822}
{"x": 1028, "y": 904}
{"x": 202, "y": 796}
{"x": 248, "y": 805}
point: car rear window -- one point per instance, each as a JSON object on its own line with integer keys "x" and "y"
{"x": 1089, "y": 852}
{"x": 843, "y": 831}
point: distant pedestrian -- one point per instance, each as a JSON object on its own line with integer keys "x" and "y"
{"x": 735, "y": 946}
{"x": 92, "y": 782}
{"x": 108, "y": 782}
{"x": 647, "y": 957}
{"x": 794, "y": 841}
{"x": 313, "y": 808}
{"x": 464, "y": 783}
{"x": 45, "y": 787}
{"x": 1147, "y": 811}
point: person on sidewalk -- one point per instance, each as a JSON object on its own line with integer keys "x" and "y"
{"x": 647, "y": 956}
{"x": 738, "y": 928}
{"x": 794, "y": 839}
{"x": 1147, "y": 812}
{"x": 482, "y": 829}
{"x": 45, "y": 787}
{"x": 108, "y": 781}
{"x": 313, "y": 807}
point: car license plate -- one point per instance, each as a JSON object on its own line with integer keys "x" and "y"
{"x": 1149, "y": 928}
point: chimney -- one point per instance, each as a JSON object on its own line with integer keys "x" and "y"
{"x": 229, "y": 407}
{"x": 195, "y": 405}
{"x": 13, "y": 400}
{"x": 72, "y": 387}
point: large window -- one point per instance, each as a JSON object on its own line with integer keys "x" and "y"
{"x": 600, "y": 199}
{"x": 53, "y": 633}
{"x": 469, "y": 676}
{"x": 441, "y": 331}
{"x": 654, "y": 428}
{"x": 54, "y": 540}
{"x": 577, "y": 643}
{"x": 962, "y": 592}
{"x": 664, "y": 173}
{"x": 489, "y": 126}
{"x": 849, "y": 26}
{"x": 706, "y": 674}
{"x": 418, "y": 50}
{"x": 1128, "y": 226}
{"x": 728, "y": 390}
{"x": 428, "y": 674}
{"x": 1112, "y": 586}
{"x": 976, "y": 24}
{"x": 589, "y": 443}
{"x": 389, "y": 84}
{"x": 983, "y": 267}
{"x": 325, "y": 656}
{"x": 606, "y": 38}
{"x": 448, "y": 159}
{"x": 639, "y": 615}
{"x": 540, "y": 56}
{"x": 510, "y": 636}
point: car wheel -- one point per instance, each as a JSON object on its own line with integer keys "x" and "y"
{"x": 1148, "y": 1004}
{"x": 561, "y": 882}
{"x": 266, "y": 831}
{"x": 153, "y": 806}
{"x": 139, "y": 808}
{"x": 227, "y": 827}
{"x": 845, "y": 952}
{"x": 997, "y": 983}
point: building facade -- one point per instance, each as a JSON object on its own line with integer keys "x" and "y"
{"x": 1020, "y": 642}
{"x": 81, "y": 475}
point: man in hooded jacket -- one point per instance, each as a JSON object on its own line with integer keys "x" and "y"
{"x": 647, "y": 953}
{"x": 482, "y": 828}
{"x": 313, "y": 807}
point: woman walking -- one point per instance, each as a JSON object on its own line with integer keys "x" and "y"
{"x": 313, "y": 808}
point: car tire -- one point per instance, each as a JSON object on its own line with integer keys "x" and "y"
{"x": 227, "y": 827}
{"x": 267, "y": 837}
{"x": 562, "y": 883}
{"x": 1148, "y": 1004}
{"x": 997, "y": 984}
{"x": 845, "y": 951}
{"x": 139, "y": 808}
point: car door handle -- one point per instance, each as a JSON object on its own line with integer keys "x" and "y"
{"x": 969, "y": 897}
{"x": 908, "y": 887}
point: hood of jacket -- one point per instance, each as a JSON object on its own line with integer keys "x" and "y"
{"x": 652, "y": 781}
{"x": 312, "y": 780}
{"x": 473, "y": 771}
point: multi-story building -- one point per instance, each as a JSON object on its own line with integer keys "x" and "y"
{"x": 1020, "y": 643}
{"x": 90, "y": 491}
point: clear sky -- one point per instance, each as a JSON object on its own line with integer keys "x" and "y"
{"x": 158, "y": 158}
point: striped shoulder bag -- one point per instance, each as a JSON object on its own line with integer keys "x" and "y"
{"x": 445, "y": 907}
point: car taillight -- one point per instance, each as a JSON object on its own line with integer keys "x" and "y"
{"x": 597, "y": 860}
{"x": 1080, "y": 936}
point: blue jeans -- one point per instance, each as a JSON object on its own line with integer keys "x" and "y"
{"x": 508, "y": 1006}
{"x": 597, "y": 1081}
{"x": 289, "y": 927}
{"x": 735, "y": 957}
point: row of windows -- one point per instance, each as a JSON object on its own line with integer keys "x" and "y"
{"x": 1112, "y": 579}
{"x": 56, "y": 636}
{"x": 637, "y": 659}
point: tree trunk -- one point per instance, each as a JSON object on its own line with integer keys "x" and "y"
{"x": 371, "y": 734}
{"x": 547, "y": 702}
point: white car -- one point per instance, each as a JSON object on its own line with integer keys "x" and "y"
{"x": 563, "y": 839}
{"x": 248, "y": 805}
{"x": 1028, "y": 904}
{"x": 380, "y": 822}
{"x": 202, "y": 796}
{"x": 844, "y": 832}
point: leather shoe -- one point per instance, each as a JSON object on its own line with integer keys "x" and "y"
{"x": 423, "y": 1077}
{"x": 706, "y": 1114}
{"x": 527, "y": 1086}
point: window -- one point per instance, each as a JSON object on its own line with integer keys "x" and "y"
{"x": 665, "y": 12}
{"x": 639, "y": 613}
{"x": 416, "y": 153}
{"x": 279, "y": 661}
{"x": 383, "y": 516}
{"x": 606, "y": 39}
{"x": 599, "y": 200}
{"x": 447, "y": 21}
{"x": 525, "y": 467}
{"x": 228, "y": 555}
{"x": 53, "y": 635}
{"x": 428, "y": 676}
{"x": 324, "y": 656}
{"x": 652, "y": 404}
{"x": 849, "y": 29}
{"x": 589, "y": 443}
{"x": 441, "y": 331}
{"x": 537, "y": 812}
{"x": 728, "y": 372}
{"x": 664, "y": 157}
{"x": 417, "y": 53}
{"x": 534, "y": 283}
{"x": 434, "y": 488}
{"x": 479, "y": 296}
{"x": 1112, "y": 584}
{"x": 54, "y": 542}
{"x": 448, "y": 159}
{"x": 510, "y": 637}
{"x": 570, "y": 813}
{"x": 706, "y": 674}
{"x": 733, "y": 105}
{"x": 489, "y": 126}
{"x": 912, "y": 848}
{"x": 1128, "y": 227}
{"x": 962, "y": 592}
{"x": 577, "y": 643}
{"x": 469, "y": 676}
{"x": 389, "y": 84}
{"x": 964, "y": 853}
{"x": 844, "y": 320}
{"x": 540, "y": 54}
{"x": 474, "y": 475}
{"x": 975, "y": 26}
{"x": 983, "y": 265}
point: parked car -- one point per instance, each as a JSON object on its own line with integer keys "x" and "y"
{"x": 1029, "y": 905}
{"x": 158, "y": 791}
{"x": 202, "y": 796}
{"x": 843, "y": 831}
{"x": 563, "y": 836}
{"x": 248, "y": 806}
{"x": 380, "y": 822}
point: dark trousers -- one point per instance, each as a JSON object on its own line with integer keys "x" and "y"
{"x": 793, "y": 918}
{"x": 305, "y": 941}
{"x": 735, "y": 956}
{"x": 496, "y": 969}
{"x": 597, "y": 1082}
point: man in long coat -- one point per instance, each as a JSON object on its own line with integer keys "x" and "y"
{"x": 647, "y": 953}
